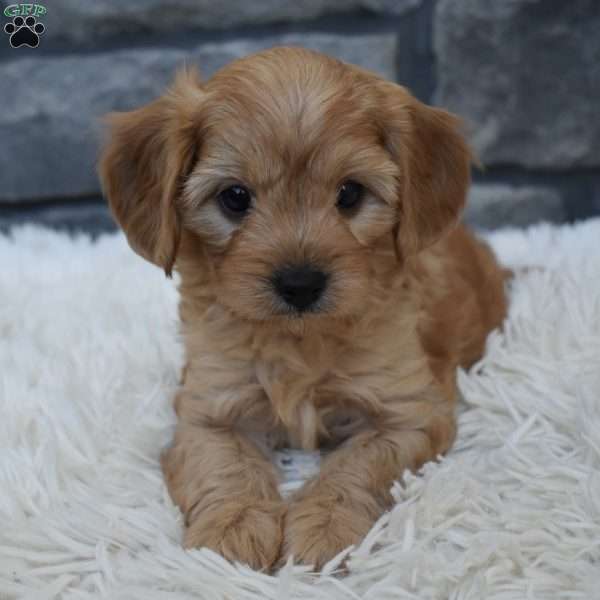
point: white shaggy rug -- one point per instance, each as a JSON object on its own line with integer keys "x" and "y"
{"x": 89, "y": 359}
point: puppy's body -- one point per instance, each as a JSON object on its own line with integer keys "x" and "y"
{"x": 355, "y": 189}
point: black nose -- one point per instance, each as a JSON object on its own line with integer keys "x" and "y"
{"x": 300, "y": 285}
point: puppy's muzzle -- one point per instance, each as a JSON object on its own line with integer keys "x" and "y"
{"x": 300, "y": 286}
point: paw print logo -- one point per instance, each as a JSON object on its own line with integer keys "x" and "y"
{"x": 24, "y": 32}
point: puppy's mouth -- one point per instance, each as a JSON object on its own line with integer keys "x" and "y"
{"x": 281, "y": 309}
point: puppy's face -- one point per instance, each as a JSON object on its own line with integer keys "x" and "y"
{"x": 304, "y": 180}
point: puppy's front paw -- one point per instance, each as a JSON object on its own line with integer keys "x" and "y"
{"x": 249, "y": 532}
{"x": 316, "y": 531}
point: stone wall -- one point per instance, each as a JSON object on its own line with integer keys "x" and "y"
{"x": 524, "y": 74}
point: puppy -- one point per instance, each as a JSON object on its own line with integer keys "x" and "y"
{"x": 327, "y": 293}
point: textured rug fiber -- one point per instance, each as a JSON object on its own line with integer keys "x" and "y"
{"x": 89, "y": 359}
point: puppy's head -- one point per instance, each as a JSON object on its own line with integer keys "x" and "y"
{"x": 303, "y": 182}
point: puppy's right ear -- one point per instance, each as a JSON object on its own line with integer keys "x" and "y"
{"x": 143, "y": 165}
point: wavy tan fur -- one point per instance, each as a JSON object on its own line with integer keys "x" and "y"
{"x": 371, "y": 374}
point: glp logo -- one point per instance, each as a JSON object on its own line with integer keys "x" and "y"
{"x": 25, "y": 29}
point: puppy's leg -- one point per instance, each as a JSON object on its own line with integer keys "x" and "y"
{"x": 339, "y": 506}
{"x": 227, "y": 490}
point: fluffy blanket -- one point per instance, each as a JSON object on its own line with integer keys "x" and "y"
{"x": 89, "y": 359}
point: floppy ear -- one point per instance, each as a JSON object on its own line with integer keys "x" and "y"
{"x": 435, "y": 165}
{"x": 142, "y": 167}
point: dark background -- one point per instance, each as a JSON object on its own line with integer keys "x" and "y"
{"x": 524, "y": 74}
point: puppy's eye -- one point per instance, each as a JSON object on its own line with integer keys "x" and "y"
{"x": 350, "y": 195}
{"x": 235, "y": 201}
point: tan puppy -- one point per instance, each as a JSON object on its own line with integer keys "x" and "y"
{"x": 327, "y": 293}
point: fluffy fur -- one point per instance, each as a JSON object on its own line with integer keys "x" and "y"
{"x": 370, "y": 373}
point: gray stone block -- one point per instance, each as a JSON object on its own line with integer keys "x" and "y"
{"x": 491, "y": 206}
{"x": 50, "y": 122}
{"x": 51, "y": 107}
{"x": 526, "y": 75}
{"x": 86, "y": 21}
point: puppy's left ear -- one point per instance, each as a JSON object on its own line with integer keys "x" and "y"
{"x": 435, "y": 165}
